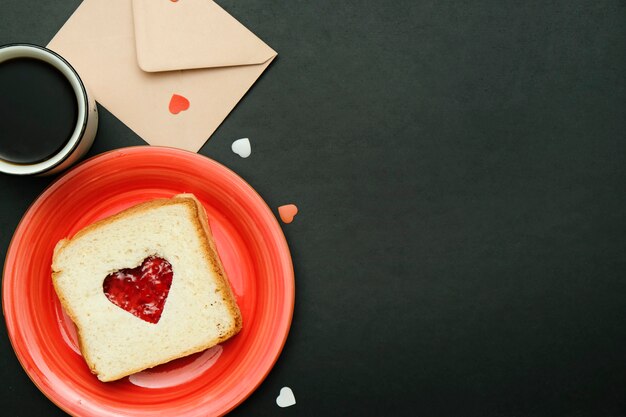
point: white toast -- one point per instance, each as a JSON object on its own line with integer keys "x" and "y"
{"x": 200, "y": 310}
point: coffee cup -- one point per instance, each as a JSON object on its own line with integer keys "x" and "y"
{"x": 48, "y": 120}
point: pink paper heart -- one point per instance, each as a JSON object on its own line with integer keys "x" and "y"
{"x": 287, "y": 212}
{"x": 178, "y": 103}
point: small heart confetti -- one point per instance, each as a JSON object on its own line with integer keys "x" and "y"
{"x": 285, "y": 398}
{"x": 242, "y": 147}
{"x": 287, "y": 212}
{"x": 178, "y": 103}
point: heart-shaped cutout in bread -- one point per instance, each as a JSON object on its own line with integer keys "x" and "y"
{"x": 143, "y": 290}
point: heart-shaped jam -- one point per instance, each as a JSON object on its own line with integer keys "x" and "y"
{"x": 141, "y": 291}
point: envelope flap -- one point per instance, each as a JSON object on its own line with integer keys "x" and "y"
{"x": 190, "y": 34}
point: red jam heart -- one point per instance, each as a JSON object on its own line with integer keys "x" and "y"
{"x": 141, "y": 291}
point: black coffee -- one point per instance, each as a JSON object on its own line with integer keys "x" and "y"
{"x": 38, "y": 110}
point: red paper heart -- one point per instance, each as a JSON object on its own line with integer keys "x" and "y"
{"x": 287, "y": 212}
{"x": 141, "y": 291}
{"x": 178, "y": 103}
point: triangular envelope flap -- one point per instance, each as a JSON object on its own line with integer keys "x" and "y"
{"x": 190, "y": 34}
{"x": 98, "y": 40}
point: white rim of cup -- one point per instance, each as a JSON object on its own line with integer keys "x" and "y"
{"x": 25, "y": 50}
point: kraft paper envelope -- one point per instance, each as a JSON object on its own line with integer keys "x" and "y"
{"x": 145, "y": 60}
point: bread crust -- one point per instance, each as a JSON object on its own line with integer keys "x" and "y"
{"x": 212, "y": 255}
{"x": 200, "y": 221}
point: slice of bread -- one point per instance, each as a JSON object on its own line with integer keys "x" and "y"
{"x": 200, "y": 310}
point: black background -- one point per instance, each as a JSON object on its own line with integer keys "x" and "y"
{"x": 459, "y": 168}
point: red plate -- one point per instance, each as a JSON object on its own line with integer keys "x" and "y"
{"x": 251, "y": 245}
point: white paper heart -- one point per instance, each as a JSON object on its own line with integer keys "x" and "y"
{"x": 242, "y": 147}
{"x": 285, "y": 398}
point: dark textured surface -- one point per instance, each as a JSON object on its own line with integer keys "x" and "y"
{"x": 459, "y": 168}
